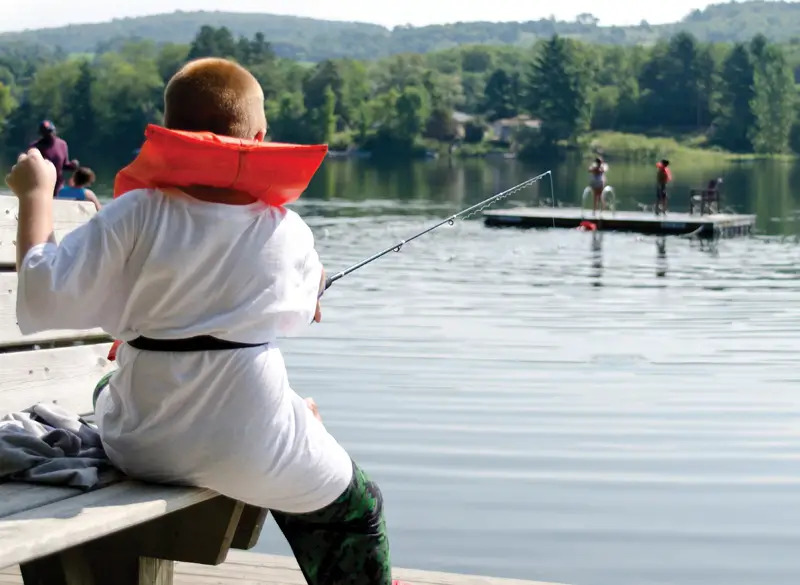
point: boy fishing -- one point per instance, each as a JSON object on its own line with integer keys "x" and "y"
{"x": 198, "y": 274}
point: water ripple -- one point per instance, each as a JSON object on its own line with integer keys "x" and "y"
{"x": 565, "y": 407}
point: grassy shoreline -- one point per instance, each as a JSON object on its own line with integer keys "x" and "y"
{"x": 634, "y": 147}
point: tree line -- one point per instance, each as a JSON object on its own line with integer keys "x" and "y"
{"x": 309, "y": 39}
{"x": 738, "y": 97}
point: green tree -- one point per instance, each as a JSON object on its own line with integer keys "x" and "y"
{"x": 170, "y": 58}
{"x": 287, "y": 119}
{"x": 7, "y": 104}
{"x": 82, "y": 116}
{"x": 322, "y": 120}
{"x": 213, "y": 42}
{"x": 412, "y": 112}
{"x": 677, "y": 83}
{"x": 125, "y": 98}
{"x": 774, "y": 99}
{"x": 501, "y": 95}
{"x": 557, "y": 91}
{"x": 441, "y": 125}
{"x": 735, "y": 117}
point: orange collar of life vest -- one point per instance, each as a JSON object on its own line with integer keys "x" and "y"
{"x": 273, "y": 172}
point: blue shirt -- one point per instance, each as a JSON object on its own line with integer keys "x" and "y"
{"x": 75, "y": 193}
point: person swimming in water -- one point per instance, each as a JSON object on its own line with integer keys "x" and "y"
{"x": 55, "y": 150}
{"x": 597, "y": 182}
{"x": 78, "y": 187}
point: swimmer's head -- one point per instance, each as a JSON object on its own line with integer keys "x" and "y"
{"x": 218, "y": 96}
{"x": 82, "y": 177}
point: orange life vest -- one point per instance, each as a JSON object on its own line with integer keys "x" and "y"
{"x": 273, "y": 172}
{"x": 664, "y": 172}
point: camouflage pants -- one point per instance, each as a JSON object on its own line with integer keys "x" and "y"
{"x": 344, "y": 543}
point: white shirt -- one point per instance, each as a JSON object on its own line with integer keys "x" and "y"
{"x": 170, "y": 266}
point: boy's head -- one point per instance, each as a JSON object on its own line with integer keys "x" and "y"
{"x": 218, "y": 96}
{"x": 83, "y": 177}
{"x": 664, "y": 163}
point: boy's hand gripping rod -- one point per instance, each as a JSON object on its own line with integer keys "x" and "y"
{"x": 464, "y": 214}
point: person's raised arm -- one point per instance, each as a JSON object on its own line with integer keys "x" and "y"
{"x": 71, "y": 284}
{"x": 33, "y": 180}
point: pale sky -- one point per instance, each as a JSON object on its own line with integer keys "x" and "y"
{"x": 19, "y": 15}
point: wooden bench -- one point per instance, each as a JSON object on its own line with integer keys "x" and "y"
{"x": 126, "y": 533}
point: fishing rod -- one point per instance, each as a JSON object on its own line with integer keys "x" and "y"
{"x": 464, "y": 213}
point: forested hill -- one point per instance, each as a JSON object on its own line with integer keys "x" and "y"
{"x": 314, "y": 40}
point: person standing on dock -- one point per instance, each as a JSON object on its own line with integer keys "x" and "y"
{"x": 663, "y": 176}
{"x": 597, "y": 182}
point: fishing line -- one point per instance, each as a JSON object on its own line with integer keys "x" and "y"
{"x": 463, "y": 214}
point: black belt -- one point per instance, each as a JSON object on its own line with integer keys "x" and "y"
{"x": 199, "y": 343}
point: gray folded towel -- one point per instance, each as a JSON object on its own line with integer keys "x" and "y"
{"x": 45, "y": 444}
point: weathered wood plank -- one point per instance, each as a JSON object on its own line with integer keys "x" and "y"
{"x": 201, "y": 533}
{"x": 71, "y": 522}
{"x": 259, "y": 568}
{"x": 9, "y": 330}
{"x": 65, "y": 375}
{"x": 17, "y": 497}
{"x": 249, "y": 528}
{"x": 252, "y": 568}
{"x": 156, "y": 572}
{"x": 90, "y": 565}
{"x": 67, "y": 215}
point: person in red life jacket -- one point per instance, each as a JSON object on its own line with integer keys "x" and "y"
{"x": 55, "y": 150}
{"x": 198, "y": 267}
{"x": 597, "y": 182}
{"x": 663, "y": 177}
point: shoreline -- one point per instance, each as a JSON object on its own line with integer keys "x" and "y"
{"x": 624, "y": 146}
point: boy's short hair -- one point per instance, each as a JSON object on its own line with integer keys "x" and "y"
{"x": 214, "y": 95}
{"x": 83, "y": 176}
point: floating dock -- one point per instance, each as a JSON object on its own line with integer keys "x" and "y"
{"x": 245, "y": 568}
{"x": 703, "y": 226}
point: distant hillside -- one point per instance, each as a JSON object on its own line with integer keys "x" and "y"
{"x": 313, "y": 40}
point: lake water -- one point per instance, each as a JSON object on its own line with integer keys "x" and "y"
{"x": 557, "y": 405}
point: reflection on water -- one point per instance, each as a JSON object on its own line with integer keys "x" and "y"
{"x": 661, "y": 256}
{"x": 561, "y": 405}
{"x": 565, "y": 406}
{"x": 597, "y": 258}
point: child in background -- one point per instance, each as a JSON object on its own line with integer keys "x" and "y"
{"x": 198, "y": 281}
{"x": 78, "y": 188}
{"x": 597, "y": 182}
{"x": 663, "y": 178}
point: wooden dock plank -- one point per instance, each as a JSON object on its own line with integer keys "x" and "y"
{"x": 45, "y": 530}
{"x": 9, "y": 330}
{"x": 245, "y": 568}
{"x": 64, "y": 375}
{"x": 67, "y": 215}
{"x": 674, "y": 223}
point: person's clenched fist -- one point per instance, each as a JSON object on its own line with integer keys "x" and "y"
{"x": 32, "y": 175}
